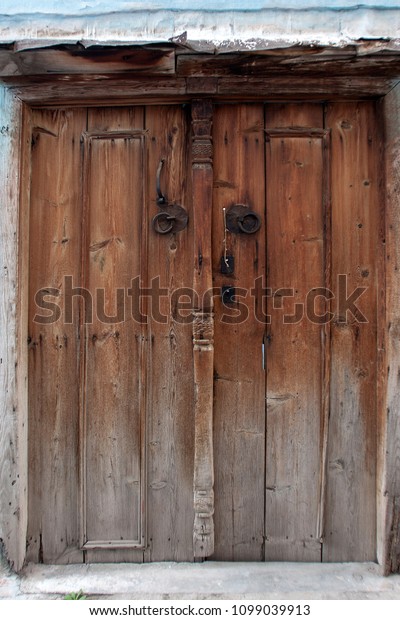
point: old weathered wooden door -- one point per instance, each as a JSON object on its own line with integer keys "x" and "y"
{"x": 123, "y": 422}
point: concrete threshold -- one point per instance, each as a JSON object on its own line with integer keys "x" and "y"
{"x": 208, "y": 580}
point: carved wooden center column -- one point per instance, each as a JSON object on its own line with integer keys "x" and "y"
{"x": 203, "y": 330}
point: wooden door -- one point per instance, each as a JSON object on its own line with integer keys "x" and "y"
{"x": 107, "y": 481}
{"x": 249, "y": 434}
{"x": 295, "y": 444}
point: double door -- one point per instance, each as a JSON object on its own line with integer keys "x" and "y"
{"x": 202, "y": 332}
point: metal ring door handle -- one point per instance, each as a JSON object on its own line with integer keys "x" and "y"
{"x": 240, "y": 219}
{"x": 249, "y": 223}
{"x": 163, "y": 222}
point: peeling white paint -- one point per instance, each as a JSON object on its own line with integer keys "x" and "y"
{"x": 225, "y": 29}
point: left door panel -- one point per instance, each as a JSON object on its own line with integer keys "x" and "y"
{"x": 110, "y": 461}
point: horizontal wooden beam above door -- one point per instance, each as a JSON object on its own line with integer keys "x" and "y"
{"x": 74, "y": 58}
{"x": 109, "y": 90}
{"x": 71, "y": 74}
{"x": 294, "y": 61}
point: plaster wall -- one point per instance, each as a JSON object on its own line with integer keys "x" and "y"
{"x": 207, "y": 25}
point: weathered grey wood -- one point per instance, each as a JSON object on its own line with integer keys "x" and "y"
{"x": 350, "y": 515}
{"x": 13, "y": 358}
{"x": 170, "y": 427}
{"x": 203, "y": 330}
{"x": 72, "y": 59}
{"x": 23, "y": 307}
{"x": 302, "y": 88}
{"x": 294, "y": 356}
{"x": 239, "y": 376}
{"x": 294, "y": 61}
{"x": 54, "y": 252}
{"x": 388, "y": 484}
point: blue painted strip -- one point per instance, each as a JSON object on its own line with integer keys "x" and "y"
{"x": 87, "y": 7}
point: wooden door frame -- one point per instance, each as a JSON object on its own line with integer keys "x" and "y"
{"x": 21, "y": 93}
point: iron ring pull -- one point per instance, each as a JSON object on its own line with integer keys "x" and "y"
{"x": 173, "y": 217}
{"x": 254, "y": 223}
{"x": 163, "y": 217}
{"x": 241, "y": 219}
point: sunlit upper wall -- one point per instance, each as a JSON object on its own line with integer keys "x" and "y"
{"x": 205, "y": 25}
{"x": 72, "y": 7}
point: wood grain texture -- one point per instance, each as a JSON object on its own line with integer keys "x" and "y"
{"x": 112, "y": 383}
{"x": 13, "y": 408}
{"x": 239, "y": 377}
{"x": 294, "y": 358}
{"x": 388, "y": 487}
{"x": 170, "y": 429}
{"x": 91, "y": 90}
{"x": 296, "y": 62}
{"x": 81, "y": 90}
{"x": 146, "y": 432}
{"x": 70, "y": 59}
{"x": 350, "y": 522}
{"x": 23, "y": 311}
{"x": 113, "y": 429}
{"x": 55, "y": 246}
{"x": 203, "y": 329}
{"x": 304, "y": 89}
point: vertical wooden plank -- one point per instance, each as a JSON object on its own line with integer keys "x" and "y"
{"x": 388, "y": 481}
{"x": 114, "y": 381}
{"x": 55, "y": 242}
{"x": 295, "y": 356}
{"x": 203, "y": 329}
{"x": 350, "y": 527}
{"x": 239, "y": 376}
{"x": 13, "y": 406}
{"x": 170, "y": 409}
{"x": 23, "y": 313}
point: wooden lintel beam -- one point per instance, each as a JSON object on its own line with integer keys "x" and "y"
{"x": 281, "y": 63}
{"x": 72, "y": 90}
{"x": 73, "y": 59}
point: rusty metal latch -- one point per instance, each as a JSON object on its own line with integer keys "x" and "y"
{"x": 240, "y": 219}
{"x": 161, "y": 199}
{"x": 173, "y": 217}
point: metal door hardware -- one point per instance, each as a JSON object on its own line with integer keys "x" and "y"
{"x": 227, "y": 264}
{"x": 161, "y": 199}
{"x": 227, "y": 260}
{"x": 228, "y": 294}
{"x": 240, "y": 219}
{"x": 173, "y": 217}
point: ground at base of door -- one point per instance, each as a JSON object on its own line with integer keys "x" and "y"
{"x": 216, "y": 580}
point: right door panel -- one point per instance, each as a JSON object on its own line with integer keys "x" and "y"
{"x": 295, "y": 383}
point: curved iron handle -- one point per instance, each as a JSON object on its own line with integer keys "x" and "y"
{"x": 173, "y": 217}
{"x": 163, "y": 217}
{"x": 254, "y": 221}
{"x": 161, "y": 199}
